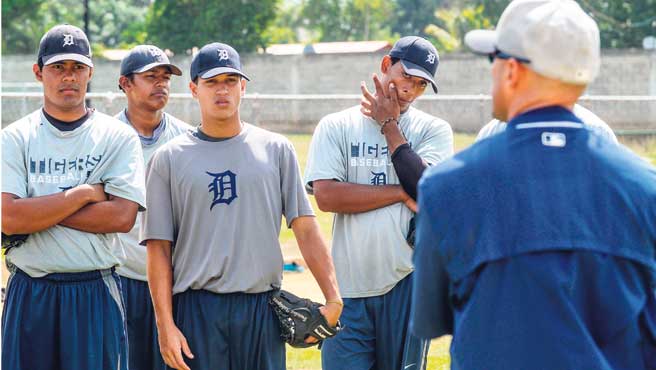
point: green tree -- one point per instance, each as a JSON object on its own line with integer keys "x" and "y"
{"x": 412, "y": 16}
{"x": 349, "y": 20}
{"x": 180, "y": 25}
{"x": 283, "y": 29}
{"x": 622, "y": 24}
{"x": 20, "y": 25}
{"x": 112, "y": 23}
{"x": 453, "y": 23}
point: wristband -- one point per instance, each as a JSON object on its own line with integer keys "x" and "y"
{"x": 336, "y": 302}
{"x": 385, "y": 122}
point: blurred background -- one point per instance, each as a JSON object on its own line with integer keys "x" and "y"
{"x": 307, "y": 57}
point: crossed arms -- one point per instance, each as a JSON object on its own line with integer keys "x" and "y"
{"x": 84, "y": 207}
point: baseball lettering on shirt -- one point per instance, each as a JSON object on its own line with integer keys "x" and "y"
{"x": 60, "y": 170}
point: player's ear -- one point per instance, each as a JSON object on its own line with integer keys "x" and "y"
{"x": 512, "y": 72}
{"x": 243, "y": 86}
{"x": 192, "y": 88}
{"x": 90, "y": 72}
{"x": 385, "y": 64}
{"x": 38, "y": 74}
{"x": 123, "y": 82}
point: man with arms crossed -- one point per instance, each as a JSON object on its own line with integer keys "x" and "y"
{"x": 71, "y": 179}
{"x": 145, "y": 79}
{"x": 542, "y": 254}
{"x": 363, "y": 164}
{"x": 218, "y": 195}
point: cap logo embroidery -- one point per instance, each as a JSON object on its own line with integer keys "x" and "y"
{"x": 430, "y": 58}
{"x": 155, "y": 54}
{"x": 68, "y": 39}
{"x": 223, "y": 54}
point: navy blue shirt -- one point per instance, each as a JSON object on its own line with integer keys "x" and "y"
{"x": 536, "y": 249}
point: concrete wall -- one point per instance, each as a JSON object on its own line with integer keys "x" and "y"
{"x": 623, "y": 72}
{"x": 301, "y": 113}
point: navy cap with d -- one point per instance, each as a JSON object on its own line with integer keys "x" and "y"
{"x": 142, "y": 58}
{"x": 215, "y": 59}
{"x": 418, "y": 57}
{"x": 64, "y": 42}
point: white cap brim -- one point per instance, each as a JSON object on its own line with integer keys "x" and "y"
{"x": 482, "y": 42}
{"x": 49, "y": 59}
{"x": 175, "y": 70}
{"x": 222, "y": 70}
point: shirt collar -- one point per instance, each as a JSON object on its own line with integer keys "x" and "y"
{"x": 554, "y": 113}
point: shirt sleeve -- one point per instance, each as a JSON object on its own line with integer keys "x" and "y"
{"x": 157, "y": 220}
{"x": 491, "y": 128}
{"x": 431, "y": 314}
{"x": 295, "y": 201}
{"x": 14, "y": 169}
{"x": 594, "y": 122}
{"x": 326, "y": 157}
{"x": 437, "y": 143}
{"x": 124, "y": 173}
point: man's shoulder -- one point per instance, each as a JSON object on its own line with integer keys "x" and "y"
{"x": 343, "y": 118}
{"x": 23, "y": 124}
{"x": 424, "y": 121}
{"x": 177, "y": 125}
{"x": 264, "y": 136}
{"x": 467, "y": 165}
{"x": 111, "y": 125}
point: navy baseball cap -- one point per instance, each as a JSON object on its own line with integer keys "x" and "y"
{"x": 64, "y": 42}
{"x": 215, "y": 59}
{"x": 142, "y": 58}
{"x": 418, "y": 57}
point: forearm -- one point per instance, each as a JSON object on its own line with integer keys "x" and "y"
{"x": 30, "y": 215}
{"x": 111, "y": 216}
{"x": 317, "y": 256}
{"x": 409, "y": 167}
{"x": 160, "y": 280}
{"x": 393, "y": 136}
{"x": 346, "y": 197}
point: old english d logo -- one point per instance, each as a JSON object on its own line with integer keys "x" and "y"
{"x": 223, "y": 187}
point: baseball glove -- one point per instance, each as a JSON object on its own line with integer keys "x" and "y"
{"x": 410, "y": 238}
{"x": 300, "y": 318}
{"x": 11, "y": 241}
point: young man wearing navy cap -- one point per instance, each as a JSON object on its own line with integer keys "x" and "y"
{"x": 542, "y": 256}
{"x": 145, "y": 78}
{"x": 72, "y": 178}
{"x": 364, "y": 164}
{"x": 217, "y": 195}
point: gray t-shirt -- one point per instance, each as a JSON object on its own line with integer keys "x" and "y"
{"x": 590, "y": 119}
{"x": 369, "y": 248}
{"x": 38, "y": 159}
{"x": 133, "y": 266}
{"x": 221, "y": 204}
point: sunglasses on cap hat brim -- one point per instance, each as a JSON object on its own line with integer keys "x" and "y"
{"x": 501, "y": 55}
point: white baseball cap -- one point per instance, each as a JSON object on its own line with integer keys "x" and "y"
{"x": 554, "y": 38}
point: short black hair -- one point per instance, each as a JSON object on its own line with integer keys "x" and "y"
{"x": 129, "y": 76}
{"x": 395, "y": 60}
